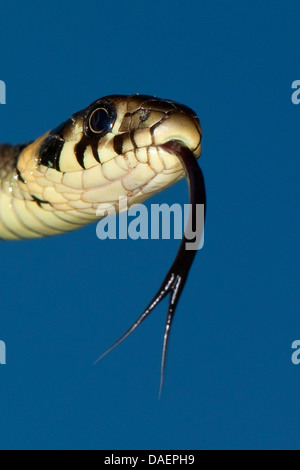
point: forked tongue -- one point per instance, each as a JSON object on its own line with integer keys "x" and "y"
{"x": 177, "y": 275}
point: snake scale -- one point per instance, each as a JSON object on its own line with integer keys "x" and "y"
{"x": 133, "y": 146}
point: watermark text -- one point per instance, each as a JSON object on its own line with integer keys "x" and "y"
{"x": 2, "y": 352}
{"x": 296, "y": 354}
{"x": 161, "y": 221}
{"x": 2, "y": 92}
{"x": 296, "y": 94}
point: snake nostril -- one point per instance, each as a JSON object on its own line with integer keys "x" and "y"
{"x": 144, "y": 114}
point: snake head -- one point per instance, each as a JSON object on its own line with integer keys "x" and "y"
{"x": 126, "y": 135}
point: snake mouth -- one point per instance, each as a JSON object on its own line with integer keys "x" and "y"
{"x": 188, "y": 160}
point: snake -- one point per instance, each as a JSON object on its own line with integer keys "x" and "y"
{"x": 119, "y": 146}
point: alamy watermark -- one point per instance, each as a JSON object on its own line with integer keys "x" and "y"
{"x": 2, "y": 352}
{"x": 296, "y": 354}
{"x": 296, "y": 94}
{"x": 162, "y": 221}
{"x": 2, "y": 92}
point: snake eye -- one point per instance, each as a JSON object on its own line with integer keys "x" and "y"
{"x": 102, "y": 120}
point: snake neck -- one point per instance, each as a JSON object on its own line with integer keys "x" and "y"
{"x": 8, "y": 158}
{"x": 25, "y": 211}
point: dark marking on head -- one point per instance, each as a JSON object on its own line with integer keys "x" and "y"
{"x": 79, "y": 151}
{"x": 81, "y": 146}
{"x": 50, "y": 151}
{"x": 98, "y": 120}
{"x": 95, "y": 151}
{"x": 20, "y": 177}
{"x": 49, "y": 154}
{"x": 118, "y": 144}
{"x": 132, "y": 139}
{"x": 39, "y": 201}
{"x": 154, "y": 126}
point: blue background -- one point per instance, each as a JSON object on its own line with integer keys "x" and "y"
{"x": 230, "y": 381}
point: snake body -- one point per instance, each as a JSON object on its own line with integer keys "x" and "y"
{"x": 110, "y": 149}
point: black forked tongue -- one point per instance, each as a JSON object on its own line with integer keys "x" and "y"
{"x": 177, "y": 275}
